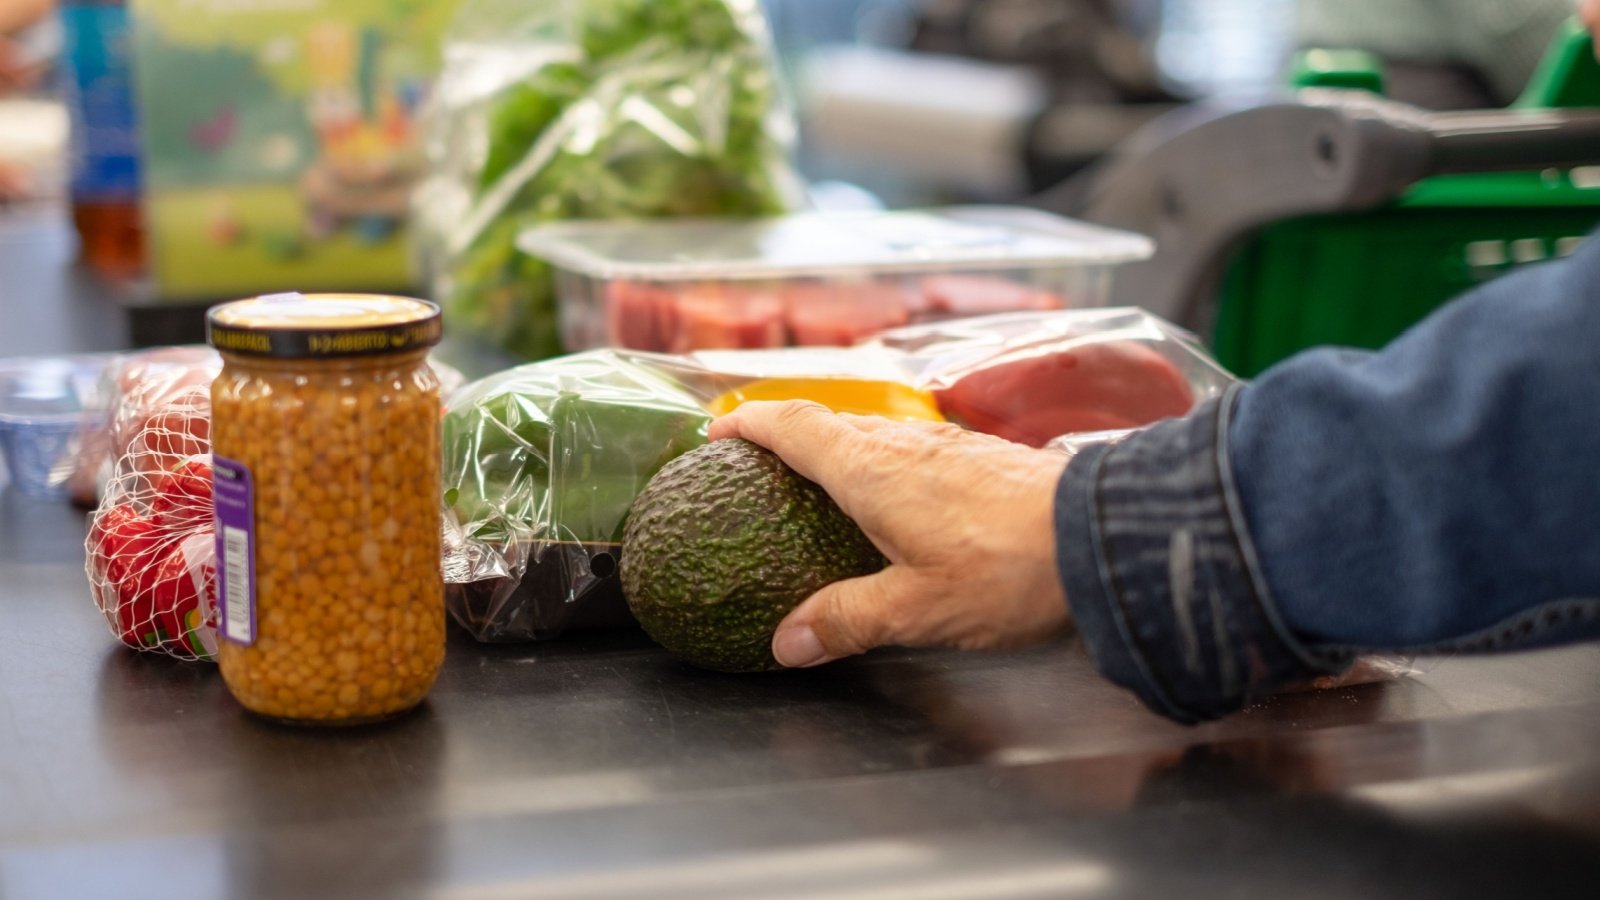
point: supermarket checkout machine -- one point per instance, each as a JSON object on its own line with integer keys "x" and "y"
{"x": 1338, "y": 216}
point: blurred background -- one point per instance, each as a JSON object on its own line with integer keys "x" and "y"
{"x": 914, "y": 101}
{"x": 951, "y": 100}
{"x": 208, "y": 150}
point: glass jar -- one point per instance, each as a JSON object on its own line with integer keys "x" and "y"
{"x": 325, "y": 436}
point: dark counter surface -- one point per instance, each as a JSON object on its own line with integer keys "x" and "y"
{"x": 599, "y": 767}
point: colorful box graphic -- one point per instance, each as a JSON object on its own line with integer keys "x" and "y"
{"x": 280, "y": 140}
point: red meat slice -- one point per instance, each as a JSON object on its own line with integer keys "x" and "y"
{"x": 976, "y": 295}
{"x": 1095, "y": 387}
{"x": 640, "y": 316}
{"x": 841, "y": 314}
{"x": 710, "y": 317}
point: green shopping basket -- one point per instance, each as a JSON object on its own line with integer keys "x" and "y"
{"x": 1360, "y": 279}
{"x": 1338, "y": 216}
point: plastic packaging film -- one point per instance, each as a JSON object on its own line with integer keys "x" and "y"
{"x": 542, "y": 461}
{"x": 552, "y": 110}
{"x": 150, "y": 552}
{"x": 46, "y": 402}
{"x": 817, "y": 278}
{"x": 541, "y": 464}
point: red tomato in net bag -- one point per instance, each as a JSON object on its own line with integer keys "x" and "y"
{"x": 100, "y": 529}
{"x": 124, "y": 552}
{"x": 131, "y": 546}
{"x": 175, "y": 602}
{"x": 183, "y": 496}
{"x": 163, "y": 437}
{"x": 135, "y": 575}
{"x": 1094, "y": 387}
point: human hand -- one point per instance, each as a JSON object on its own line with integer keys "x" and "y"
{"x": 965, "y": 520}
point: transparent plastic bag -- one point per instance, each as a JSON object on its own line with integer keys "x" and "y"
{"x": 46, "y": 406}
{"x": 167, "y": 387}
{"x": 151, "y": 549}
{"x": 818, "y": 278}
{"x": 1033, "y": 377}
{"x": 149, "y": 554}
{"x": 555, "y": 109}
{"x": 543, "y": 461}
{"x": 541, "y": 465}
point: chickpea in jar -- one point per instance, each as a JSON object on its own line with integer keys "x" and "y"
{"x": 328, "y": 407}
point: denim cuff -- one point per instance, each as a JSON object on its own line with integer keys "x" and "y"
{"x": 1161, "y": 574}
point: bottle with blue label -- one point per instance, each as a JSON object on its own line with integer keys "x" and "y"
{"x": 97, "y": 80}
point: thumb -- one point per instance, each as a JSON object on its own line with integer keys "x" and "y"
{"x": 842, "y": 619}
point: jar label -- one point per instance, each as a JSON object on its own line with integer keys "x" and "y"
{"x": 236, "y": 549}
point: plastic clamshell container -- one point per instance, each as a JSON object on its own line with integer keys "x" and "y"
{"x": 44, "y": 402}
{"x": 818, "y": 278}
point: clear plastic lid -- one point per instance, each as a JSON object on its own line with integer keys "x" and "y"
{"x": 42, "y": 389}
{"x": 819, "y": 244}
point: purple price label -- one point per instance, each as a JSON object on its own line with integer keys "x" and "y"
{"x": 236, "y": 549}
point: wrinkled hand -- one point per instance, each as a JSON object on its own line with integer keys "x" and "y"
{"x": 965, "y": 520}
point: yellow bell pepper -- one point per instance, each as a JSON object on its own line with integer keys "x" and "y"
{"x": 845, "y": 395}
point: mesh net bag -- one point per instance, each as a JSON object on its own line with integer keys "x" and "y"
{"x": 150, "y": 554}
{"x": 133, "y": 389}
{"x": 151, "y": 549}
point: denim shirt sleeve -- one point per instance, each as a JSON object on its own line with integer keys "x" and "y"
{"x": 1162, "y": 576}
{"x": 1438, "y": 495}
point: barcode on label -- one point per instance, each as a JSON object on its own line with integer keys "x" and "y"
{"x": 238, "y": 612}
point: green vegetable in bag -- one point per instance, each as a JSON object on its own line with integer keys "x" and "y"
{"x": 557, "y": 451}
{"x": 645, "y": 108}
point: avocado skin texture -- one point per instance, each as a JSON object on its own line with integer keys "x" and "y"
{"x": 723, "y": 543}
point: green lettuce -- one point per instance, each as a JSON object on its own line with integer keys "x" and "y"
{"x": 671, "y": 108}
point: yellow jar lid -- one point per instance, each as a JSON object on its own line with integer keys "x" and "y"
{"x": 323, "y": 325}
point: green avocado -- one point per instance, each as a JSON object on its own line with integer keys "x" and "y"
{"x": 723, "y": 543}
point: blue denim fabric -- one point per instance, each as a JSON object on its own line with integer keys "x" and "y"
{"x": 1442, "y": 494}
